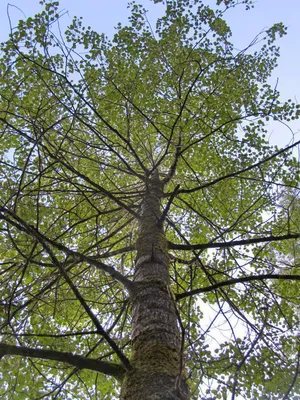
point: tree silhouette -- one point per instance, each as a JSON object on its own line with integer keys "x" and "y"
{"x": 146, "y": 221}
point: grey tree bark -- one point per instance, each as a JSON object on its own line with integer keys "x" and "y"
{"x": 156, "y": 372}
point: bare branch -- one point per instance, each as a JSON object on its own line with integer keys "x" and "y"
{"x": 24, "y": 227}
{"x": 166, "y": 210}
{"x": 79, "y": 362}
{"x": 76, "y": 292}
{"x": 236, "y": 173}
{"x": 243, "y": 279}
{"x": 203, "y": 246}
{"x": 287, "y": 394}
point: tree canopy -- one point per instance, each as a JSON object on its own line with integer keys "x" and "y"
{"x": 87, "y": 124}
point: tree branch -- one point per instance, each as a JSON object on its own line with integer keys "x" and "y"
{"x": 79, "y": 362}
{"x": 202, "y": 246}
{"x": 236, "y": 173}
{"x": 30, "y": 230}
{"x": 233, "y": 281}
{"x": 166, "y": 210}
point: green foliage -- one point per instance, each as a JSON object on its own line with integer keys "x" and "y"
{"x": 84, "y": 120}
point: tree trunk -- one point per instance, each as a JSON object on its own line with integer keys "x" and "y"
{"x": 156, "y": 341}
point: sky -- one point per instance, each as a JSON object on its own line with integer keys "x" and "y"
{"x": 103, "y": 16}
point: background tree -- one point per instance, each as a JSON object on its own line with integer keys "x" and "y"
{"x": 144, "y": 215}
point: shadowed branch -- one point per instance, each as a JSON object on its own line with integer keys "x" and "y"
{"x": 203, "y": 246}
{"x": 80, "y": 362}
{"x": 243, "y": 279}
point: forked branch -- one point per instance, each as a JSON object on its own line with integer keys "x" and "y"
{"x": 13, "y": 219}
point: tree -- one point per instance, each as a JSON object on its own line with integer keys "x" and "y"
{"x": 144, "y": 219}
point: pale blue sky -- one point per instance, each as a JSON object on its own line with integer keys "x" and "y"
{"x": 103, "y": 15}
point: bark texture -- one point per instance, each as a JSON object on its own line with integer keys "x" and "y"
{"x": 156, "y": 360}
